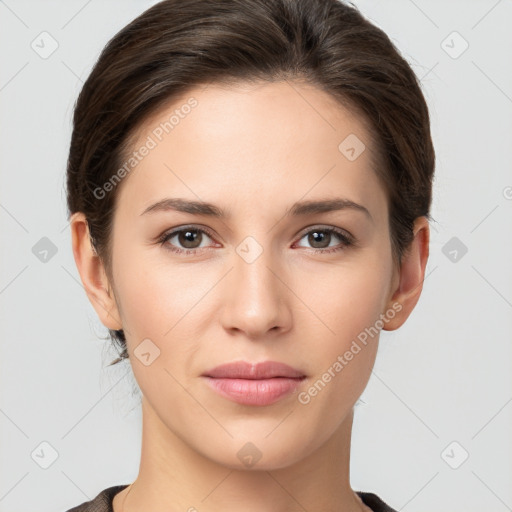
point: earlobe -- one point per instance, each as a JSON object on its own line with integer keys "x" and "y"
{"x": 411, "y": 275}
{"x": 92, "y": 273}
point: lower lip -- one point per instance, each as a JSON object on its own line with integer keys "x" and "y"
{"x": 255, "y": 391}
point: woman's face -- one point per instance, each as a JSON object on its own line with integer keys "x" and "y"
{"x": 265, "y": 281}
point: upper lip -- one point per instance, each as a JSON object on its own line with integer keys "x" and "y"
{"x": 245, "y": 370}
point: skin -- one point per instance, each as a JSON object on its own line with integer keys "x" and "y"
{"x": 253, "y": 150}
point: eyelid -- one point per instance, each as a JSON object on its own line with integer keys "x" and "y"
{"x": 179, "y": 229}
{"x": 304, "y": 231}
{"x": 323, "y": 227}
{"x": 347, "y": 239}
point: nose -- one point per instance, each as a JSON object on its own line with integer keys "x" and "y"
{"x": 255, "y": 296}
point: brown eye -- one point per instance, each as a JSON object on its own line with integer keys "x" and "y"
{"x": 188, "y": 240}
{"x": 321, "y": 239}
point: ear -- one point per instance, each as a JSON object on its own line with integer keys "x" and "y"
{"x": 411, "y": 274}
{"x": 92, "y": 273}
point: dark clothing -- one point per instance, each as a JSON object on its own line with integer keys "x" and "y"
{"x": 103, "y": 501}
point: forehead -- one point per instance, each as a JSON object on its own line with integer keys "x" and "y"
{"x": 297, "y": 110}
{"x": 273, "y": 139}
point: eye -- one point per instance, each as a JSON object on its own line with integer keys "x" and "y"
{"x": 189, "y": 238}
{"x": 321, "y": 237}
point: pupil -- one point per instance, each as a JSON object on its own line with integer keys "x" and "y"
{"x": 187, "y": 238}
{"x": 319, "y": 236}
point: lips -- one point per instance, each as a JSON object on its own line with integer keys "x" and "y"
{"x": 245, "y": 370}
{"x": 254, "y": 384}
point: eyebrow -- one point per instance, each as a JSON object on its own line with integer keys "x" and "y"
{"x": 297, "y": 209}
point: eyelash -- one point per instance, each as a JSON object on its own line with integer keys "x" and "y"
{"x": 346, "y": 240}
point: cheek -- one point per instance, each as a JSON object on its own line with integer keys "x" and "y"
{"x": 346, "y": 299}
{"x": 155, "y": 294}
{"x": 158, "y": 308}
{"x": 169, "y": 305}
{"x": 348, "y": 304}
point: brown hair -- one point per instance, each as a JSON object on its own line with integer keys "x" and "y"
{"x": 176, "y": 45}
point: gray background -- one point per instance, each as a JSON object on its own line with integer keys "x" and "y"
{"x": 441, "y": 388}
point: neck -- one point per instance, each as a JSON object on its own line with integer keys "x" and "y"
{"x": 174, "y": 477}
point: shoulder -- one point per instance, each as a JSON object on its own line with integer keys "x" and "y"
{"x": 374, "y": 502}
{"x": 101, "y": 503}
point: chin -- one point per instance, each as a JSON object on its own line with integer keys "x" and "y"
{"x": 259, "y": 453}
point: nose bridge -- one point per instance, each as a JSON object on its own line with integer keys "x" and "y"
{"x": 256, "y": 302}
{"x": 252, "y": 272}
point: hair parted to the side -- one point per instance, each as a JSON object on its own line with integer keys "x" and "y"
{"x": 176, "y": 45}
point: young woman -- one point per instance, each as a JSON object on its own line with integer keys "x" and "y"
{"x": 249, "y": 185}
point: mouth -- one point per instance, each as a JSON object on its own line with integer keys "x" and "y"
{"x": 254, "y": 384}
